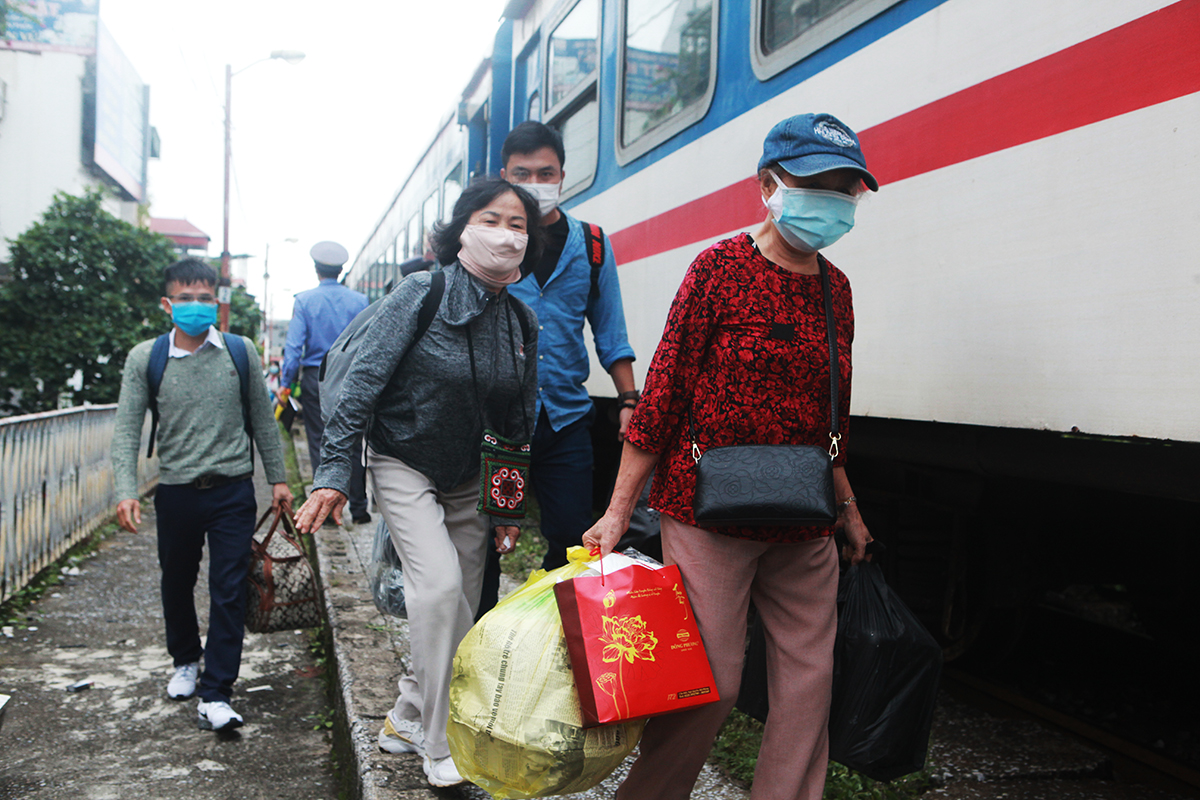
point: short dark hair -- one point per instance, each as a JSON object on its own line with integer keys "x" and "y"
{"x": 529, "y": 137}
{"x": 327, "y": 271}
{"x": 187, "y": 271}
{"x": 479, "y": 195}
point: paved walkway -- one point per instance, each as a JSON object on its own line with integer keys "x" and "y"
{"x": 123, "y": 738}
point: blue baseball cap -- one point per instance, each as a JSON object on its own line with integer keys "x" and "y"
{"x": 807, "y": 144}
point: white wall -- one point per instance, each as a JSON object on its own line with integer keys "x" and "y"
{"x": 41, "y": 139}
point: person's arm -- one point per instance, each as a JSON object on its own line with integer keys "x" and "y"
{"x": 636, "y": 467}
{"x": 383, "y": 344}
{"x": 266, "y": 436}
{"x": 293, "y": 348}
{"x": 627, "y": 394}
{"x": 606, "y": 315}
{"x": 849, "y": 521}
{"x": 127, "y": 437}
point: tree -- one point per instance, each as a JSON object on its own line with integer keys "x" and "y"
{"x": 245, "y": 317}
{"x": 85, "y": 289}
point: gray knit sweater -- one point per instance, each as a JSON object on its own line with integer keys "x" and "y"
{"x": 423, "y": 409}
{"x": 200, "y": 427}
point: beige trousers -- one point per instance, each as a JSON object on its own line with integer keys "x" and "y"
{"x": 794, "y": 587}
{"x": 442, "y": 542}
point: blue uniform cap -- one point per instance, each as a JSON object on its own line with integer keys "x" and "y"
{"x": 807, "y": 144}
{"x": 329, "y": 254}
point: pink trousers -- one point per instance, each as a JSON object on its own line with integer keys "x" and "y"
{"x": 794, "y": 587}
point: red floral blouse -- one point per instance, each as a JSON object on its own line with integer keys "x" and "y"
{"x": 745, "y": 346}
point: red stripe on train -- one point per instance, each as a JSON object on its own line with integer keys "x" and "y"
{"x": 1145, "y": 62}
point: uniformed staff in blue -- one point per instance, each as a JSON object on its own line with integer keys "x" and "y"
{"x": 560, "y": 291}
{"x": 318, "y": 317}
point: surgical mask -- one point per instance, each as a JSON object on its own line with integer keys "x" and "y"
{"x": 193, "y": 318}
{"x": 810, "y": 219}
{"x": 492, "y": 254}
{"x": 273, "y": 370}
{"x": 546, "y": 195}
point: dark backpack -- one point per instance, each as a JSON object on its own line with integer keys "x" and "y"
{"x": 336, "y": 362}
{"x": 160, "y": 354}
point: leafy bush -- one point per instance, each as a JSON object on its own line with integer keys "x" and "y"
{"x": 85, "y": 289}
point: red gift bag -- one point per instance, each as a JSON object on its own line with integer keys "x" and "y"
{"x": 634, "y": 645}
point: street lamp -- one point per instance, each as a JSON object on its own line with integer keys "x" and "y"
{"x": 224, "y": 292}
{"x": 267, "y": 301}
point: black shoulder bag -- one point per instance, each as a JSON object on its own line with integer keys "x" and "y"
{"x": 772, "y": 484}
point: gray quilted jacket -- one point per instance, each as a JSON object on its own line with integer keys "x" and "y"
{"x": 424, "y": 409}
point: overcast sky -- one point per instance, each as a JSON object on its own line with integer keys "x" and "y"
{"x": 319, "y": 148}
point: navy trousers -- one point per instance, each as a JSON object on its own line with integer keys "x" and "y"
{"x": 560, "y": 472}
{"x": 226, "y": 514}
{"x": 314, "y": 432}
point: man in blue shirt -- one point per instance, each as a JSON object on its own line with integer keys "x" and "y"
{"x": 564, "y": 290}
{"x": 318, "y": 317}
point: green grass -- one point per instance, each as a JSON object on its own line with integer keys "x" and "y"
{"x": 736, "y": 751}
{"x": 531, "y": 547}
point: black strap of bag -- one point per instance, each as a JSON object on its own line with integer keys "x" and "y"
{"x": 835, "y": 435}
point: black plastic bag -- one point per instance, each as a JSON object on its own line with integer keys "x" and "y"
{"x": 886, "y": 669}
{"x": 387, "y": 578}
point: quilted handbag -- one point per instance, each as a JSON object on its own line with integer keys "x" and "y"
{"x": 281, "y": 587}
{"x": 762, "y": 484}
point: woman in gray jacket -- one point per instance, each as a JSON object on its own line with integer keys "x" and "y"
{"x": 424, "y": 405}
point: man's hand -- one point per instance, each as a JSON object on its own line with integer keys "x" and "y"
{"x": 281, "y": 497}
{"x": 282, "y": 394}
{"x": 129, "y": 515}
{"x": 319, "y": 505}
{"x": 506, "y": 538}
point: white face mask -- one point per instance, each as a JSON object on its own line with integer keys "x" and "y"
{"x": 546, "y": 194}
{"x": 810, "y": 219}
{"x": 492, "y": 254}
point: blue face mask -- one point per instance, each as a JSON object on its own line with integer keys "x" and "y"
{"x": 193, "y": 318}
{"x": 810, "y": 219}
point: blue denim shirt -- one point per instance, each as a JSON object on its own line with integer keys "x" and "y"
{"x": 318, "y": 317}
{"x": 561, "y": 306}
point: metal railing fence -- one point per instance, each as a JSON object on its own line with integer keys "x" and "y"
{"x": 56, "y": 486}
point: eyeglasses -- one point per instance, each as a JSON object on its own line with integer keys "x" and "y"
{"x": 205, "y": 299}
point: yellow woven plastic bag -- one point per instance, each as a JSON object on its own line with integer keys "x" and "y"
{"x": 515, "y": 724}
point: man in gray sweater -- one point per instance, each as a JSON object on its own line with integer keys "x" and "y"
{"x": 206, "y": 468}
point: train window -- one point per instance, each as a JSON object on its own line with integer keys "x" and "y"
{"x": 785, "y": 31}
{"x": 580, "y": 133}
{"x": 414, "y": 237}
{"x": 451, "y": 191}
{"x": 535, "y": 110}
{"x": 669, "y": 64}
{"x": 429, "y": 215}
{"x": 573, "y": 50}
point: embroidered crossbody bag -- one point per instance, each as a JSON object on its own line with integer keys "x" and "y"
{"x": 503, "y": 463}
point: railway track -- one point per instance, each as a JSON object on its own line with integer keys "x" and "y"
{"x": 1129, "y": 760}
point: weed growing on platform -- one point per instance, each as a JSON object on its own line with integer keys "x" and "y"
{"x": 12, "y": 611}
{"x": 736, "y": 751}
{"x": 531, "y": 547}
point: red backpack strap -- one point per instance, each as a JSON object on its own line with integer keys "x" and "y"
{"x": 593, "y": 245}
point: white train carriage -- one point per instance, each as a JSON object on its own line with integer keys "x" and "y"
{"x": 1026, "y": 280}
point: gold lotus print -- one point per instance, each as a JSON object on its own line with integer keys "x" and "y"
{"x": 625, "y": 639}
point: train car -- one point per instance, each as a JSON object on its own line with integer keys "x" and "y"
{"x": 1026, "y": 280}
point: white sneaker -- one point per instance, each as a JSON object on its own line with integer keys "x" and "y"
{"x": 183, "y": 683}
{"x": 218, "y": 716}
{"x": 441, "y": 772}
{"x": 407, "y": 737}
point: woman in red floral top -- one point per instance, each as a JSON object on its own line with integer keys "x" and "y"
{"x": 745, "y": 351}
